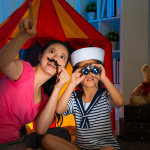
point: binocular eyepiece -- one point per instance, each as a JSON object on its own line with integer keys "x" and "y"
{"x": 95, "y": 70}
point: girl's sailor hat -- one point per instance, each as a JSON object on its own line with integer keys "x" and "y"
{"x": 87, "y": 54}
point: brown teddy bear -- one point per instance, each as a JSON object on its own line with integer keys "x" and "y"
{"x": 141, "y": 94}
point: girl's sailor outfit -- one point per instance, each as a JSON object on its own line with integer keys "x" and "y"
{"x": 93, "y": 125}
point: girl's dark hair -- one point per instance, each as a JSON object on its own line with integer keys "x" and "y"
{"x": 49, "y": 85}
{"x": 80, "y": 91}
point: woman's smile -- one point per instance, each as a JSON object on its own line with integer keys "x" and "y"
{"x": 51, "y": 65}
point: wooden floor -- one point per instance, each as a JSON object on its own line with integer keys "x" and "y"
{"x": 127, "y": 145}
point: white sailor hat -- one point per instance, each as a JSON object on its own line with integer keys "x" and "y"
{"x": 87, "y": 54}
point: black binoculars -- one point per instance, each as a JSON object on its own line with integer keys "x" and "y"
{"x": 95, "y": 70}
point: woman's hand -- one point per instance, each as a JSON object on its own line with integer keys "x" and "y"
{"x": 102, "y": 75}
{"x": 62, "y": 78}
{"x": 27, "y": 26}
{"x": 77, "y": 77}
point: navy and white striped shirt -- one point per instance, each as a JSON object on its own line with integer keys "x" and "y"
{"x": 93, "y": 126}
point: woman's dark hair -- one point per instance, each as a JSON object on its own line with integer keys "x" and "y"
{"x": 80, "y": 91}
{"x": 49, "y": 85}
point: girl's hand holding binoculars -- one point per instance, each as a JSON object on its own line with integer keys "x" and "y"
{"x": 102, "y": 75}
{"x": 77, "y": 77}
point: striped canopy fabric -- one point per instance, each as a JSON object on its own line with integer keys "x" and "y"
{"x": 56, "y": 19}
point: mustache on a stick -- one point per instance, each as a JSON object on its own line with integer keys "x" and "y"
{"x": 55, "y": 62}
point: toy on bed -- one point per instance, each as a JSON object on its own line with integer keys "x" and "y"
{"x": 141, "y": 94}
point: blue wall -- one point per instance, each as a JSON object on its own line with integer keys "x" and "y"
{"x": 7, "y": 7}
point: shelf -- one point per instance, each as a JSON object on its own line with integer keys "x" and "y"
{"x": 116, "y": 51}
{"x": 118, "y": 84}
{"x": 107, "y": 19}
{"x": 93, "y": 21}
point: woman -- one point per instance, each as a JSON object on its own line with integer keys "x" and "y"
{"x": 22, "y": 97}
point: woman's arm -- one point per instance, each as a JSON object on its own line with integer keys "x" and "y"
{"x": 10, "y": 67}
{"x": 45, "y": 118}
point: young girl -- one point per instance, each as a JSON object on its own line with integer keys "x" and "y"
{"x": 91, "y": 105}
{"x": 22, "y": 97}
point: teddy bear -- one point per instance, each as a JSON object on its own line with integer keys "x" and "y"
{"x": 141, "y": 94}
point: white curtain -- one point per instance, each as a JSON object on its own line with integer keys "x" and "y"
{"x": 7, "y": 7}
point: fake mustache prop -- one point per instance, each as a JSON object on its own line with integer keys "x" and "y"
{"x": 55, "y": 62}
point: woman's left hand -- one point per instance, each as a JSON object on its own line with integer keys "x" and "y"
{"x": 62, "y": 78}
{"x": 102, "y": 75}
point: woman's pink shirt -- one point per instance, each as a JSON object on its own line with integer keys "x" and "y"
{"x": 17, "y": 106}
